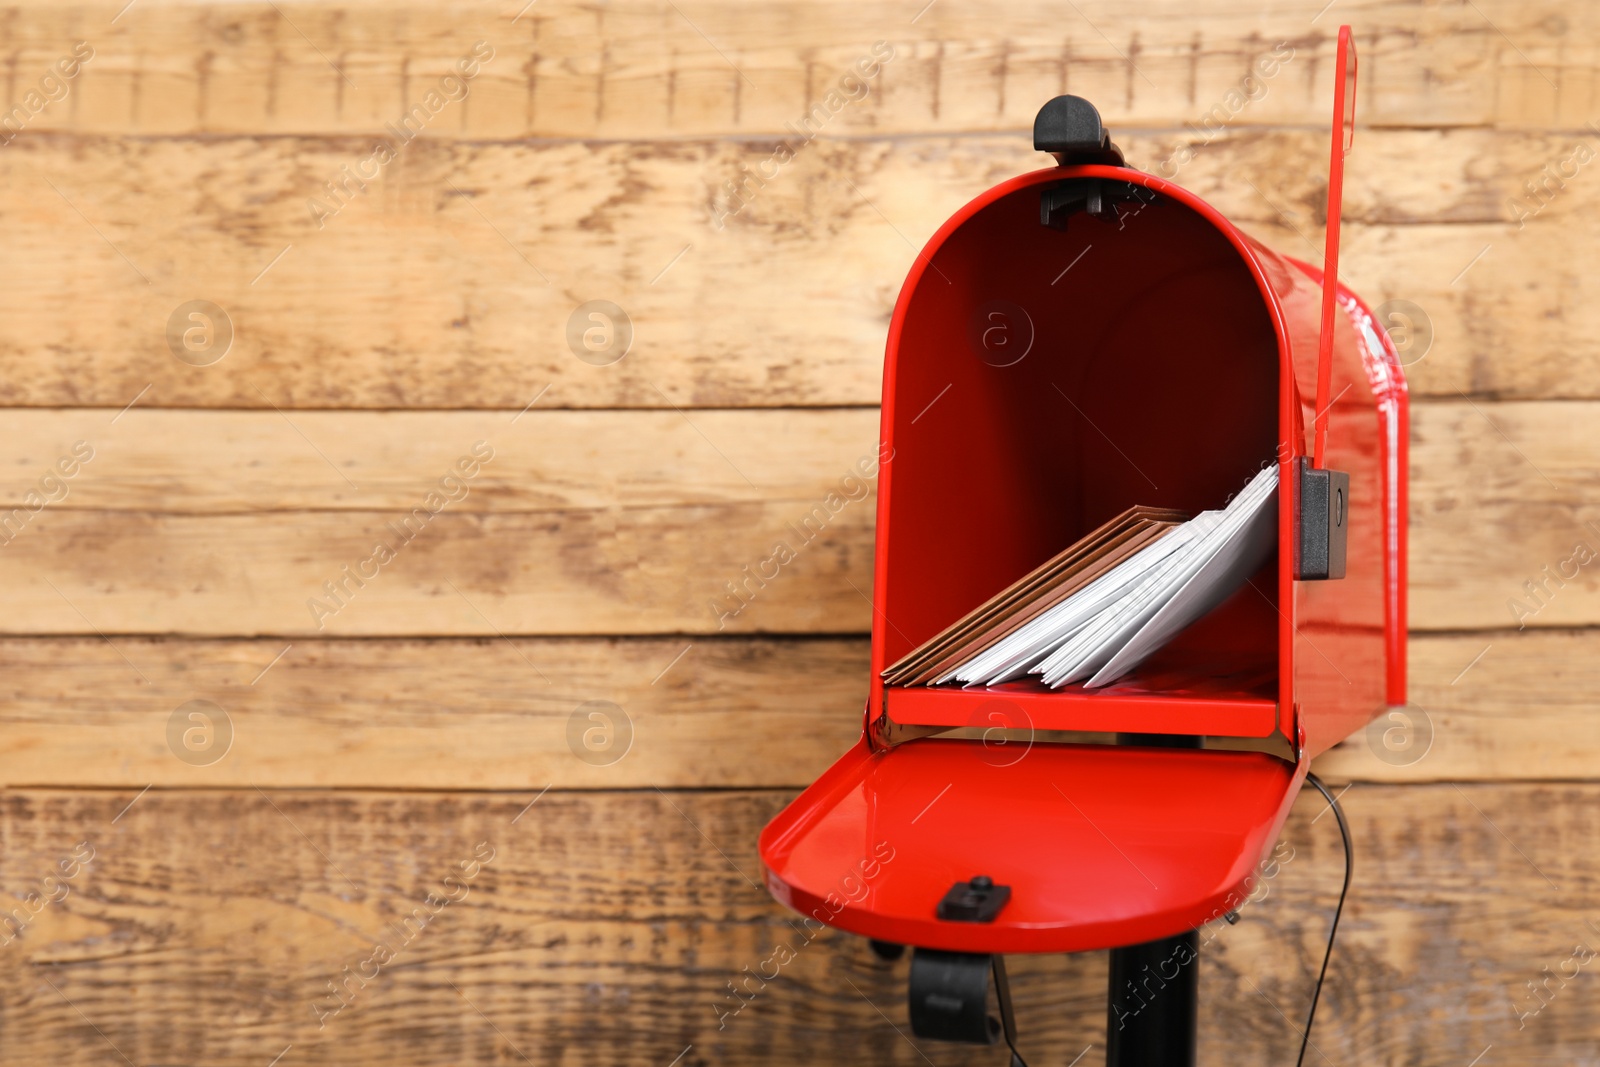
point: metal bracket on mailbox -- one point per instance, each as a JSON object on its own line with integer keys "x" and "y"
{"x": 950, "y": 999}
{"x": 1322, "y": 499}
{"x": 977, "y": 901}
{"x": 1069, "y": 128}
{"x": 1096, "y": 197}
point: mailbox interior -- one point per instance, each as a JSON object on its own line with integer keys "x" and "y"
{"x": 1045, "y": 380}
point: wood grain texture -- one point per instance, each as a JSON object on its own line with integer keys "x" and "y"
{"x": 607, "y": 926}
{"x": 639, "y": 570}
{"x": 785, "y": 302}
{"x": 647, "y": 70}
{"x": 585, "y": 569}
{"x": 232, "y": 462}
{"x": 632, "y": 522}
{"x": 1512, "y": 485}
{"x": 689, "y": 712}
{"x": 1496, "y": 705}
{"x": 489, "y": 714}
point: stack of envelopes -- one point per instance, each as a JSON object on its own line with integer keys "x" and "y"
{"x": 1033, "y": 594}
{"x": 1099, "y": 609}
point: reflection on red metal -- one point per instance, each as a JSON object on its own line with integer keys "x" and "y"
{"x": 1071, "y": 830}
{"x": 1038, "y": 381}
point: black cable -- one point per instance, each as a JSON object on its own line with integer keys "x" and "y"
{"x": 1008, "y": 1025}
{"x": 1349, "y": 861}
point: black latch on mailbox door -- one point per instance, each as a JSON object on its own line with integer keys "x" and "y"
{"x": 976, "y": 901}
{"x": 1321, "y": 503}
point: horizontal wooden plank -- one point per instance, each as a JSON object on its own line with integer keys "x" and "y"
{"x": 572, "y": 536}
{"x": 642, "y": 69}
{"x": 686, "y": 712}
{"x": 473, "y": 714}
{"x": 228, "y": 462}
{"x": 452, "y": 281}
{"x": 612, "y": 571}
{"x": 606, "y": 927}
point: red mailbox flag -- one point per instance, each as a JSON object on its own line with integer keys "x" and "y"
{"x": 1155, "y": 355}
{"x": 1344, "y": 132}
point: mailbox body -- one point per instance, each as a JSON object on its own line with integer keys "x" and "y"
{"x": 1037, "y": 382}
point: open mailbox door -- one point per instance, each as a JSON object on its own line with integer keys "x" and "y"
{"x": 1074, "y": 342}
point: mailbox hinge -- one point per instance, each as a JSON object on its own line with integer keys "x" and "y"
{"x": 1321, "y": 511}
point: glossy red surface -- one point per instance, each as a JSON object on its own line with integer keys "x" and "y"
{"x": 1159, "y": 360}
{"x": 1168, "y": 695}
{"x": 1351, "y": 634}
{"x": 1084, "y": 836}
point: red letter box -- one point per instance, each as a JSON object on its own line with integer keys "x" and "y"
{"x": 1073, "y": 342}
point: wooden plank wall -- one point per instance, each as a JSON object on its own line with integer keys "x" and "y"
{"x": 213, "y": 910}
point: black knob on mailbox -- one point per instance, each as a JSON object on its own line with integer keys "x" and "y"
{"x": 975, "y": 901}
{"x": 1069, "y": 128}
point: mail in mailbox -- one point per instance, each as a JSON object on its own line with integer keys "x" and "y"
{"x": 1080, "y": 341}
